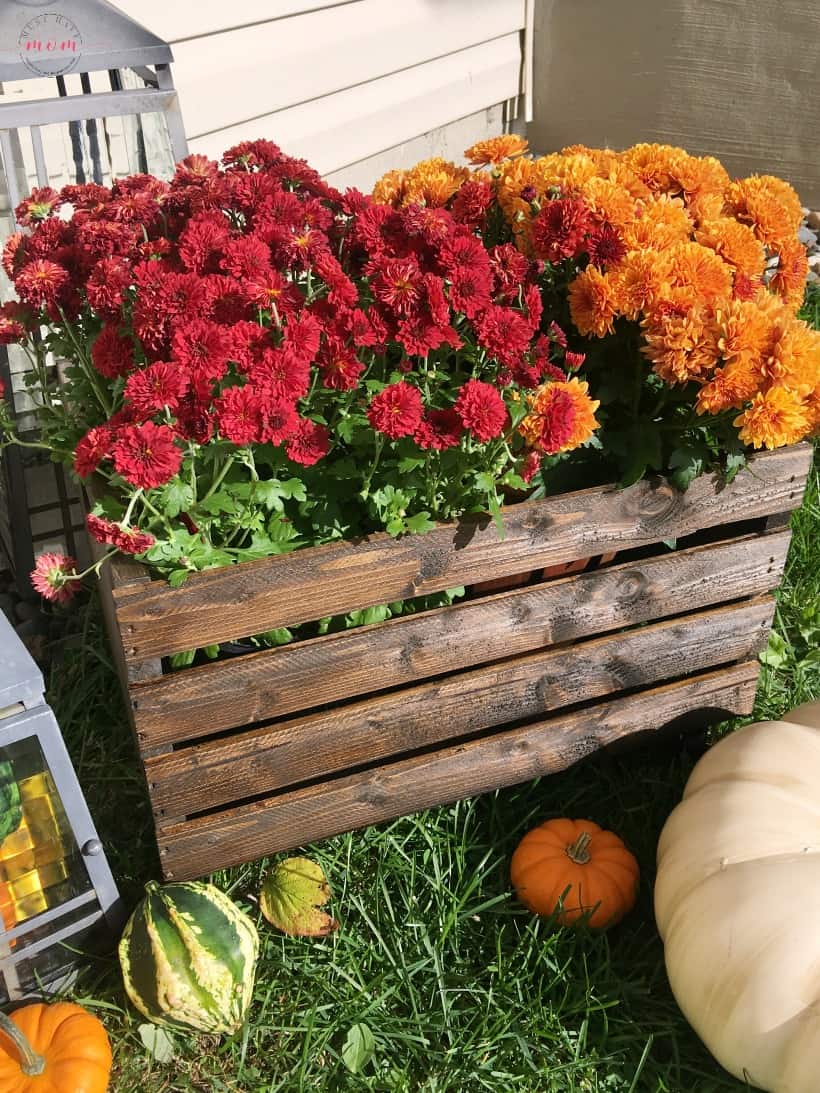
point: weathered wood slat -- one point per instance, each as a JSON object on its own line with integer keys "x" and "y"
{"x": 286, "y": 753}
{"x": 231, "y": 602}
{"x": 273, "y": 683}
{"x": 223, "y": 839}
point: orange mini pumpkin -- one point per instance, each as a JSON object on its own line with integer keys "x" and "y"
{"x": 573, "y": 868}
{"x": 58, "y": 1048}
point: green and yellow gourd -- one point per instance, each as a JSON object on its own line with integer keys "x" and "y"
{"x": 11, "y": 812}
{"x": 188, "y": 957}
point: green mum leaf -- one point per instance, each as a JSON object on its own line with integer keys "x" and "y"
{"x": 292, "y": 897}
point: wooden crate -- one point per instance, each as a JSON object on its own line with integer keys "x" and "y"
{"x": 263, "y": 752}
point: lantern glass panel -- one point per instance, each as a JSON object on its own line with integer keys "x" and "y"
{"x": 40, "y": 863}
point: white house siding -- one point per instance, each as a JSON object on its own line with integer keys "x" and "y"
{"x": 340, "y": 84}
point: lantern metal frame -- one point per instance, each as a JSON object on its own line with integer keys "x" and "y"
{"x": 112, "y": 46}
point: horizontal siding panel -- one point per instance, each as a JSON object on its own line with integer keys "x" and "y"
{"x": 177, "y": 22}
{"x": 244, "y": 74}
{"x": 340, "y": 129}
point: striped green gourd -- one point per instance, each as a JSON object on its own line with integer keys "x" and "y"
{"x": 10, "y": 811}
{"x": 188, "y": 957}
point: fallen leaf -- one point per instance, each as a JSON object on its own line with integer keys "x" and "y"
{"x": 158, "y": 1043}
{"x": 359, "y": 1048}
{"x": 292, "y": 897}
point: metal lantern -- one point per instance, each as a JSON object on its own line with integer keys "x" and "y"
{"x": 57, "y": 895}
{"x": 87, "y": 96}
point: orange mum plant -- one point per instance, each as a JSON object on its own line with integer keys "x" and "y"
{"x": 676, "y": 287}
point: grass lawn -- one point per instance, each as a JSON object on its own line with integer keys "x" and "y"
{"x": 461, "y": 990}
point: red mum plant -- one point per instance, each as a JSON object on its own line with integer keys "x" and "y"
{"x": 257, "y": 361}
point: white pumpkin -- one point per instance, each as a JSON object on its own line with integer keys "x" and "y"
{"x": 737, "y": 902}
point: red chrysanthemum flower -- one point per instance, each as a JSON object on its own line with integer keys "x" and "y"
{"x": 253, "y": 153}
{"x": 470, "y": 290}
{"x": 203, "y": 242}
{"x": 11, "y": 328}
{"x": 481, "y": 409}
{"x": 92, "y": 449}
{"x": 419, "y": 333}
{"x": 279, "y": 420}
{"x": 439, "y": 429}
{"x": 39, "y": 205}
{"x": 281, "y": 374}
{"x": 146, "y": 455}
{"x": 398, "y": 284}
{"x": 55, "y": 577}
{"x": 131, "y": 540}
{"x": 339, "y": 365}
{"x": 194, "y": 419}
{"x": 341, "y": 290}
{"x": 203, "y": 349}
{"x": 509, "y": 269}
{"x": 531, "y": 466}
{"x": 246, "y": 258}
{"x": 557, "y": 335}
{"x": 105, "y": 286}
{"x": 472, "y": 201}
{"x": 42, "y": 283}
{"x": 308, "y": 443}
{"x": 504, "y": 333}
{"x": 463, "y": 252}
{"x": 112, "y": 352}
{"x": 397, "y": 410}
{"x": 605, "y": 247}
{"x": 239, "y": 414}
{"x": 302, "y": 335}
{"x": 14, "y": 254}
{"x": 573, "y": 361}
{"x": 154, "y": 387}
{"x": 559, "y": 229}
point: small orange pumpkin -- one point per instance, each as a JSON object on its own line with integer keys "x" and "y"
{"x": 60, "y": 1048}
{"x": 573, "y": 868}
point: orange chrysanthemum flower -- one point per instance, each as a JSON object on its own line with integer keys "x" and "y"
{"x": 561, "y": 417}
{"x": 641, "y": 281}
{"x": 433, "y": 182}
{"x": 795, "y": 357}
{"x": 745, "y": 333}
{"x": 770, "y": 205}
{"x": 729, "y": 388}
{"x": 789, "y": 279}
{"x": 811, "y": 408}
{"x": 698, "y": 268}
{"x": 496, "y": 149}
{"x": 775, "y": 418}
{"x": 654, "y": 164}
{"x": 659, "y": 224}
{"x": 592, "y": 302}
{"x": 681, "y": 347}
{"x": 511, "y": 178}
{"x": 566, "y": 173}
{"x": 609, "y": 201}
{"x": 389, "y": 190}
{"x": 702, "y": 182}
{"x": 736, "y": 244}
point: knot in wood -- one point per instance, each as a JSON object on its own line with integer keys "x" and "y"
{"x": 655, "y": 503}
{"x": 631, "y": 586}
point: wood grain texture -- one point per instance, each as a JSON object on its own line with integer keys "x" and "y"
{"x": 276, "y": 682}
{"x": 199, "y": 846}
{"x": 234, "y": 601}
{"x": 230, "y": 769}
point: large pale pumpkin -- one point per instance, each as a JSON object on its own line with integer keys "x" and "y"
{"x": 737, "y": 902}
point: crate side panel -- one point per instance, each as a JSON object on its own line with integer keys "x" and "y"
{"x": 228, "y": 770}
{"x": 274, "y": 683}
{"x": 200, "y": 846}
{"x": 233, "y": 601}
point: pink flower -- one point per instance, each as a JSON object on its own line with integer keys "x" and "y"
{"x": 54, "y": 577}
